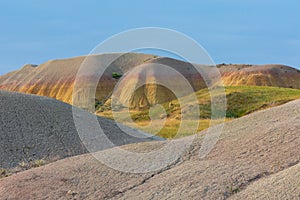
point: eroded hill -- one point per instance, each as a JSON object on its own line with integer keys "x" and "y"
{"x": 260, "y": 75}
{"x": 56, "y": 79}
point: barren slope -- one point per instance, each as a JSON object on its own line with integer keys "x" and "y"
{"x": 283, "y": 185}
{"x": 34, "y": 127}
{"x": 251, "y": 147}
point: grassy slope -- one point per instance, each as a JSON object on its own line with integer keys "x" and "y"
{"x": 241, "y": 100}
{"x": 245, "y": 100}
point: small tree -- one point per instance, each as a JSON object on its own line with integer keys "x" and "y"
{"x": 116, "y": 75}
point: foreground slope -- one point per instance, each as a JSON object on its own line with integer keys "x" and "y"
{"x": 34, "y": 127}
{"x": 250, "y": 148}
{"x": 283, "y": 185}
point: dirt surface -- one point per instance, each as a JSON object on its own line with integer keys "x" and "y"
{"x": 253, "y": 153}
{"x": 283, "y": 185}
{"x": 34, "y": 127}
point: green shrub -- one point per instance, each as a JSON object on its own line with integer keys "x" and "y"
{"x": 98, "y": 104}
{"x": 38, "y": 163}
{"x": 116, "y": 75}
{"x": 4, "y": 173}
{"x": 32, "y": 164}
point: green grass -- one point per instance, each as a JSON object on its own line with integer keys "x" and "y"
{"x": 241, "y": 100}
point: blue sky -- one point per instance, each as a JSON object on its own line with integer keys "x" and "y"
{"x": 232, "y": 31}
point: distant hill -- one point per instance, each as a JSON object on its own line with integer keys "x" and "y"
{"x": 56, "y": 78}
{"x": 260, "y": 75}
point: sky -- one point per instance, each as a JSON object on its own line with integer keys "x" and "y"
{"x": 231, "y": 31}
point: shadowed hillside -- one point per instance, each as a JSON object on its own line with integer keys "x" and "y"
{"x": 34, "y": 128}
